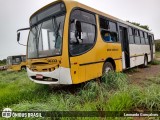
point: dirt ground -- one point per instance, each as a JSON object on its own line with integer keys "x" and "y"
{"x": 139, "y": 74}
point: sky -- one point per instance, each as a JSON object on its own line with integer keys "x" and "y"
{"x": 15, "y": 14}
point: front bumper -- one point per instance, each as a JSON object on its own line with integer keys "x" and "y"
{"x": 62, "y": 75}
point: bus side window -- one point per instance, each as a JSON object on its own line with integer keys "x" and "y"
{"x": 131, "y": 36}
{"x": 108, "y": 30}
{"x": 18, "y": 60}
{"x": 113, "y": 29}
{"x": 146, "y": 38}
{"x": 142, "y": 38}
{"x": 153, "y": 40}
{"x": 82, "y": 32}
{"x": 137, "y": 37}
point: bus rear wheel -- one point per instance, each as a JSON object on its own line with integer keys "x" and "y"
{"x": 145, "y": 61}
{"x": 107, "y": 68}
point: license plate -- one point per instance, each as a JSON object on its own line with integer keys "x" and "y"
{"x": 39, "y": 76}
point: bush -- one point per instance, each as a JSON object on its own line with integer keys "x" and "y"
{"x": 155, "y": 62}
{"x": 149, "y": 98}
{"x": 115, "y": 80}
{"x": 157, "y": 45}
{"x": 120, "y": 101}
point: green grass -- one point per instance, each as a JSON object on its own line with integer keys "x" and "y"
{"x": 113, "y": 93}
{"x": 15, "y": 87}
{"x": 157, "y": 54}
{"x": 155, "y": 62}
{"x": 115, "y": 80}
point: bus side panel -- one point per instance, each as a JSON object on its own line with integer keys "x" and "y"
{"x": 82, "y": 70}
{"x": 89, "y": 65}
{"x": 15, "y": 67}
{"x": 118, "y": 65}
{"x": 93, "y": 71}
{"x": 113, "y": 51}
{"x": 137, "y": 54}
{"x": 77, "y": 72}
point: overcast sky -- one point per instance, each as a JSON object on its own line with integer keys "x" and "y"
{"x": 14, "y": 14}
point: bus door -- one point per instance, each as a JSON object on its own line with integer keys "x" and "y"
{"x": 123, "y": 36}
{"x": 151, "y": 46}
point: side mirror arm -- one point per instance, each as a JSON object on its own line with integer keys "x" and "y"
{"x": 18, "y": 35}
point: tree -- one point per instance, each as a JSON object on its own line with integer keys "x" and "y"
{"x": 139, "y": 25}
{"x": 3, "y": 62}
{"x": 157, "y": 45}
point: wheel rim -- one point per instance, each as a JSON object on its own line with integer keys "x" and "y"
{"x": 145, "y": 62}
{"x": 107, "y": 70}
{"x": 23, "y": 68}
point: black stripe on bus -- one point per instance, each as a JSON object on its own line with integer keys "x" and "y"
{"x": 90, "y": 63}
{"x": 96, "y": 62}
{"x": 139, "y": 55}
{"x": 117, "y": 59}
{"x": 136, "y": 55}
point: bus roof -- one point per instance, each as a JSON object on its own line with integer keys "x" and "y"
{"x": 77, "y": 4}
{"x": 16, "y": 55}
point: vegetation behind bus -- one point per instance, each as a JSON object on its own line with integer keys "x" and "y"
{"x": 139, "y": 25}
{"x": 157, "y": 45}
{"x": 3, "y": 62}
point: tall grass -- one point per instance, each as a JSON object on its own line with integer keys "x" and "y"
{"x": 15, "y": 87}
{"x": 157, "y": 54}
{"x": 147, "y": 98}
{"x": 115, "y": 80}
{"x": 112, "y": 94}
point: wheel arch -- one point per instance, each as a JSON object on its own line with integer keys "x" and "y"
{"x": 111, "y": 61}
{"x": 146, "y": 55}
{"x": 23, "y": 66}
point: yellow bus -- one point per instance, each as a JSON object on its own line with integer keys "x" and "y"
{"x": 70, "y": 43}
{"x": 16, "y": 63}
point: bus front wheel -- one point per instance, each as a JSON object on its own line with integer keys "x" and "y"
{"x": 107, "y": 67}
{"x": 23, "y": 68}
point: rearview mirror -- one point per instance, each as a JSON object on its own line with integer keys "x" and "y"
{"x": 18, "y": 36}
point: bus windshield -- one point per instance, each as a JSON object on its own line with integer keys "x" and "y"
{"x": 45, "y": 39}
{"x": 14, "y": 60}
{"x": 9, "y": 60}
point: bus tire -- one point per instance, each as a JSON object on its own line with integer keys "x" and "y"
{"x": 23, "y": 68}
{"x": 107, "y": 67}
{"x": 145, "y": 61}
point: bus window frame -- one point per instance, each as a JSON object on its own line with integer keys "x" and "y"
{"x": 137, "y": 35}
{"x": 146, "y": 37}
{"x": 133, "y": 35}
{"x": 153, "y": 42}
{"x": 41, "y": 22}
{"x": 69, "y": 28}
{"x": 107, "y": 30}
{"x": 142, "y": 37}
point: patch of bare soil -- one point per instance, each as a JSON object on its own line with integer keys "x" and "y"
{"x": 139, "y": 74}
